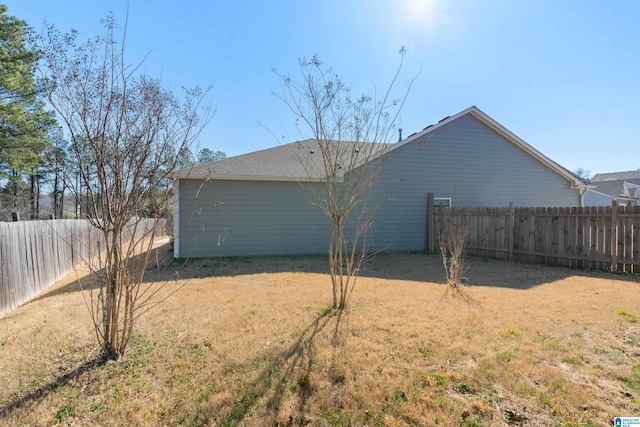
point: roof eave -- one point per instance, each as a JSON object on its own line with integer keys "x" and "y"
{"x": 216, "y": 177}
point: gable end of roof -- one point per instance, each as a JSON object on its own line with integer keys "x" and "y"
{"x": 576, "y": 182}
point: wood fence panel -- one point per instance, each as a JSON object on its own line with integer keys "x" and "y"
{"x": 525, "y": 247}
{"x": 604, "y": 245}
{"x": 486, "y": 230}
{"x": 563, "y": 233}
{"x": 543, "y": 234}
{"x": 495, "y": 224}
{"x": 36, "y": 254}
{"x": 473, "y": 225}
{"x": 580, "y": 248}
{"x": 592, "y": 233}
{"x": 519, "y": 233}
{"x": 573, "y": 248}
{"x": 632, "y": 258}
{"x": 539, "y": 224}
{"x": 627, "y": 239}
{"x": 550, "y": 241}
{"x": 604, "y": 237}
{"x": 534, "y": 224}
{"x": 635, "y": 241}
{"x": 600, "y": 237}
{"x": 618, "y": 244}
{"x": 587, "y": 222}
{"x": 501, "y": 220}
{"x": 531, "y": 232}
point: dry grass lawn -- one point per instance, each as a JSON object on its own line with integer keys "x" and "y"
{"x": 252, "y": 342}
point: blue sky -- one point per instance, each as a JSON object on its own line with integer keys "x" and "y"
{"x": 562, "y": 75}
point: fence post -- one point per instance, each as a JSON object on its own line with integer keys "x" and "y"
{"x": 613, "y": 235}
{"x": 431, "y": 223}
{"x": 511, "y": 226}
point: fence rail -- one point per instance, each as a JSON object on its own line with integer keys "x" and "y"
{"x": 603, "y": 237}
{"x": 36, "y": 254}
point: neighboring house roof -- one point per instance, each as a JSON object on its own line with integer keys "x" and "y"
{"x": 616, "y": 189}
{"x": 616, "y": 176}
{"x": 611, "y": 188}
{"x": 621, "y": 186}
{"x": 297, "y": 162}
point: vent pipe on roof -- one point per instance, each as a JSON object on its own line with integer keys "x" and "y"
{"x": 399, "y": 134}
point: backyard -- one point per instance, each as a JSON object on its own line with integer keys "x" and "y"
{"x": 252, "y": 341}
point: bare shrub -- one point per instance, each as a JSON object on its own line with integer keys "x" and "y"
{"x": 451, "y": 239}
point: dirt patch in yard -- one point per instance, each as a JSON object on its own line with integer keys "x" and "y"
{"x": 252, "y": 341}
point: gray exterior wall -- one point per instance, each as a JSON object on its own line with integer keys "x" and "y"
{"x": 464, "y": 160}
{"x": 596, "y": 199}
{"x": 469, "y": 163}
{"x": 229, "y": 218}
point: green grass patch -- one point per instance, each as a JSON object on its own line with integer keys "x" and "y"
{"x": 337, "y": 419}
{"x": 628, "y": 316}
{"x": 506, "y": 356}
{"x": 425, "y": 352}
{"x": 632, "y": 382}
{"x": 572, "y": 360}
{"x": 67, "y": 410}
{"x": 463, "y": 388}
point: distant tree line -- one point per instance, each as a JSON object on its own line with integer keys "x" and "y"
{"x": 40, "y": 176}
{"x": 25, "y": 126}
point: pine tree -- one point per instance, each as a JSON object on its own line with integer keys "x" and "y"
{"x": 24, "y": 123}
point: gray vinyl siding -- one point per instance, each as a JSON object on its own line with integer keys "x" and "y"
{"x": 229, "y": 218}
{"x": 596, "y": 199}
{"x": 464, "y": 160}
{"x": 468, "y": 162}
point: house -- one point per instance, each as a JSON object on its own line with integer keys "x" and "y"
{"x": 255, "y": 204}
{"x": 623, "y": 187}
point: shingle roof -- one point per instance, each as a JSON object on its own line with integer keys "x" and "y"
{"x": 616, "y": 188}
{"x": 610, "y": 188}
{"x": 614, "y": 176}
{"x": 297, "y": 161}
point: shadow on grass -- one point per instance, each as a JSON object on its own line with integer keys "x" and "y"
{"x": 289, "y": 370}
{"x": 403, "y": 266}
{"x": 43, "y": 391}
{"x": 159, "y": 267}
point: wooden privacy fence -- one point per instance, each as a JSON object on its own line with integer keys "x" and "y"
{"x": 36, "y": 254}
{"x": 603, "y": 237}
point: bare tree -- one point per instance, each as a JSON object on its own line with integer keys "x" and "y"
{"x": 583, "y": 173}
{"x": 126, "y": 136}
{"x": 347, "y": 136}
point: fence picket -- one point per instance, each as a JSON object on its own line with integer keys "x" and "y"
{"x": 36, "y": 254}
{"x": 589, "y": 237}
